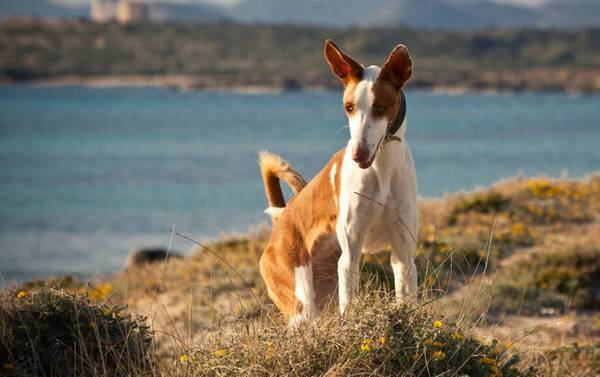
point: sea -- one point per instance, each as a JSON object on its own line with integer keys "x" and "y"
{"x": 89, "y": 174}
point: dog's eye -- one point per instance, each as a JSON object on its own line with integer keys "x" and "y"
{"x": 349, "y": 107}
{"x": 380, "y": 108}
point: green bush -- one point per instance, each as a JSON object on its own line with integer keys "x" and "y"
{"x": 51, "y": 333}
{"x": 560, "y": 279}
{"x": 485, "y": 203}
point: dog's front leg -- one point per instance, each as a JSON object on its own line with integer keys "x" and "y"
{"x": 404, "y": 236}
{"x": 405, "y": 271}
{"x": 350, "y": 235}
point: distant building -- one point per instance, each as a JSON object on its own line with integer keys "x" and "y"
{"x": 132, "y": 11}
{"x": 103, "y": 10}
{"x": 123, "y": 11}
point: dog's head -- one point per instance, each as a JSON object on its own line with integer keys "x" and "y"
{"x": 370, "y": 97}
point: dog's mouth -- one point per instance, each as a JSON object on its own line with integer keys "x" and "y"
{"x": 366, "y": 163}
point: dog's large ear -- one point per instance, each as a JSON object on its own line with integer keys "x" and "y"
{"x": 343, "y": 66}
{"x": 398, "y": 67}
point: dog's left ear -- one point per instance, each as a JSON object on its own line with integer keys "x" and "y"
{"x": 398, "y": 67}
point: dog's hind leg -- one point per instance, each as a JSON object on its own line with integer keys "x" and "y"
{"x": 305, "y": 295}
{"x": 290, "y": 285}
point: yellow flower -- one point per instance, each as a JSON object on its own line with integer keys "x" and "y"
{"x": 428, "y": 341}
{"x": 106, "y": 312}
{"x": 100, "y": 292}
{"x": 458, "y": 336}
{"x": 8, "y": 366}
{"x": 517, "y": 229}
{"x": 269, "y": 352}
{"x": 438, "y": 324}
{"x": 438, "y": 344}
{"x": 382, "y": 340}
{"x": 220, "y": 353}
{"x": 438, "y": 355}
{"x": 365, "y": 345}
{"x": 543, "y": 188}
{"x": 487, "y": 361}
{"x": 184, "y": 359}
{"x": 22, "y": 294}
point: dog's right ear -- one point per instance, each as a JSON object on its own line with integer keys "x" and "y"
{"x": 343, "y": 66}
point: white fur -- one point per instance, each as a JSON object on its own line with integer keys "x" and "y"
{"x": 387, "y": 212}
{"x": 364, "y": 130}
{"x": 304, "y": 291}
{"x": 274, "y": 212}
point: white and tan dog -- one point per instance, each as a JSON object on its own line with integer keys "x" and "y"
{"x": 364, "y": 200}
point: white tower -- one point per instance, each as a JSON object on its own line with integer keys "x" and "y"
{"x": 103, "y": 10}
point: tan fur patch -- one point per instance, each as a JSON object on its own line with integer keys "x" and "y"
{"x": 297, "y": 236}
{"x": 387, "y": 96}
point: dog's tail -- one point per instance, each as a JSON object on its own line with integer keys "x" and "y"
{"x": 274, "y": 168}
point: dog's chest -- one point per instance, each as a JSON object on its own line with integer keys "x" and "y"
{"x": 380, "y": 230}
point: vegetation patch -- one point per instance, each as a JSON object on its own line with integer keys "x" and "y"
{"x": 570, "y": 361}
{"x": 550, "y": 281}
{"x": 491, "y": 202}
{"x": 376, "y": 336}
{"x": 51, "y": 333}
{"x": 211, "y": 315}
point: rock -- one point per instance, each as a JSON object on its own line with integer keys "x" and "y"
{"x": 142, "y": 256}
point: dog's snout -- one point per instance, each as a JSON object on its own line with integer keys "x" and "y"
{"x": 360, "y": 154}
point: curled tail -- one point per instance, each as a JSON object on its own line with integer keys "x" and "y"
{"x": 274, "y": 168}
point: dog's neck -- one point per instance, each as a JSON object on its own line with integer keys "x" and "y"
{"x": 388, "y": 154}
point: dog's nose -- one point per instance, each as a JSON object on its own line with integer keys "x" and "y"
{"x": 360, "y": 154}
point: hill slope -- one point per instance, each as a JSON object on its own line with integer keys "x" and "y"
{"x": 431, "y": 14}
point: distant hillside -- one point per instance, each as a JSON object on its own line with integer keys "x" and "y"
{"x": 234, "y": 55}
{"x": 571, "y": 13}
{"x": 184, "y": 12}
{"x": 431, "y": 14}
{"x": 456, "y": 14}
{"x": 39, "y": 8}
{"x": 436, "y": 14}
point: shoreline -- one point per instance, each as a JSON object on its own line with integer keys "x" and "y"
{"x": 191, "y": 83}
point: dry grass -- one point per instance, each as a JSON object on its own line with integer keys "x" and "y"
{"x": 517, "y": 262}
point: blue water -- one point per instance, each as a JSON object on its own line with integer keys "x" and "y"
{"x": 88, "y": 174}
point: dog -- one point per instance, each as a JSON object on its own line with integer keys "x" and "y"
{"x": 363, "y": 201}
